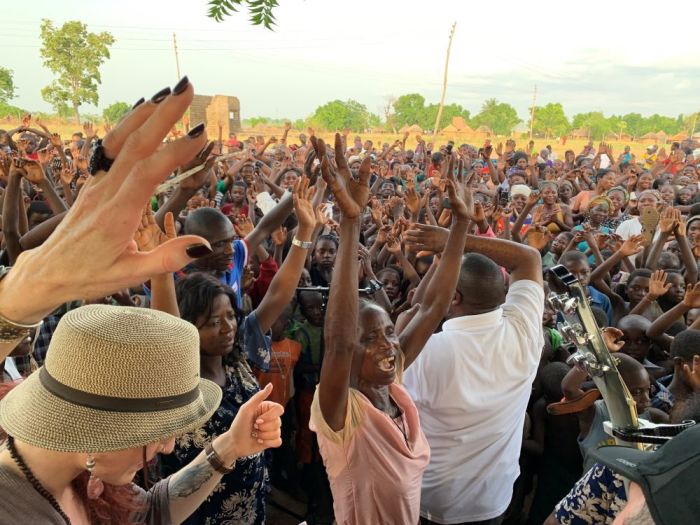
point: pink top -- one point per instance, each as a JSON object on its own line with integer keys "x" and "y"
{"x": 374, "y": 475}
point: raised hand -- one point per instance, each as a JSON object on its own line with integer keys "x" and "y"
{"x": 612, "y": 336}
{"x": 95, "y": 238}
{"x": 668, "y": 220}
{"x": 425, "y": 237}
{"x": 202, "y": 159}
{"x": 44, "y": 156}
{"x": 32, "y": 171}
{"x": 302, "y": 203}
{"x": 382, "y": 234}
{"x": 533, "y": 198}
{"x": 243, "y": 226}
{"x": 692, "y": 296}
{"x": 67, "y": 175}
{"x": 279, "y": 236}
{"x": 658, "y": 285}
{"x": 412, "y": 200}
{"x": 89, "y": 130}
{"x": 393, "y": 245}
{"x": 56, "y": 141}
{"x": 350, "y": 194}
{"x": 81, "y": 163}
{"x": 679, "y": 229}
{"x": 690, "y": 374}
{"x": 251, "y": 196}
{"x": 632, "y": 246}
{"x": 149, "y": 236}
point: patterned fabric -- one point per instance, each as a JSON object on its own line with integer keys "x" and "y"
{"x": 47, "y": 328}
{"x": 662, "y": 398}
{"x": 596, "y": 498}
{"x": 240, "y": 496}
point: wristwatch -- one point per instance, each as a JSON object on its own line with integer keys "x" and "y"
{"x": 9, "y": 330}
{"x": 375, "y": 285}
{"x": 302, "y": 244}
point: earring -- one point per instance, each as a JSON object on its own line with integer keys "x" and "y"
{"x": 95, "y": 487}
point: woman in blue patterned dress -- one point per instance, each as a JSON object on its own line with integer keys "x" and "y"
{"x": 230, "y": 345}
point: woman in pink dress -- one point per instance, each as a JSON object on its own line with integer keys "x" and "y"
{"x": 368, "y": 430}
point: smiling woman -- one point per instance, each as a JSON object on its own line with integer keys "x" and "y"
{"x": 231, "y": 346}
{"x": 360, "y": 411}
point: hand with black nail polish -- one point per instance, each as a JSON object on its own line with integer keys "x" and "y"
{"x": 92, "y": 251}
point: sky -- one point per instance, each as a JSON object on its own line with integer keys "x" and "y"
{"x": 615, "y": 56}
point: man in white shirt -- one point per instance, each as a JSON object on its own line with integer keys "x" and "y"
{"x": 472, "y": 382}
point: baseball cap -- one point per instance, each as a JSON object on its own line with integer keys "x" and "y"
{"x": 668, "y": 476}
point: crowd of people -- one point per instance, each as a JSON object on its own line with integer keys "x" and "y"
{"x": 362, "y": 326}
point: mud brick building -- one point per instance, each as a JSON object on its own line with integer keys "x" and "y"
{"x": 214, "y": 110}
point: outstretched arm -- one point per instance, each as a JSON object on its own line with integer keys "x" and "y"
{"x": 283, "y": 285}
{"x": 342, "y": 324}
{"x": 438, "y": 297}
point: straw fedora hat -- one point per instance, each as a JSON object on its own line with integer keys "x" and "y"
{"x": 114, "y": 378}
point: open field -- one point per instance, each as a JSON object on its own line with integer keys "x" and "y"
{"x": 65, "y": 129}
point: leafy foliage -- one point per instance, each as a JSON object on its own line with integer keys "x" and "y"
{"x": 411, "y": 109}
{"x": 7, "y": 86}
{"x": 75, "y": 56}
{"x": 338, "y": 115}
{"x": 114, "y": 112}
{"x": 261, "y": 11}
{"x": 7, "y": 110}
{"x": 551, "y": 121}
{"x": 499, "y": 116}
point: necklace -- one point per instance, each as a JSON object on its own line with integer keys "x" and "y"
{"x": 32, "y": 479}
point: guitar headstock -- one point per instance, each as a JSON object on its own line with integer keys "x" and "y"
{"x": 579, "y": 327}
{"x": 568, "y": 297}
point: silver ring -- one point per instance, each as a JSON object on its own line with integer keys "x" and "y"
{"x": 253, "y": 434}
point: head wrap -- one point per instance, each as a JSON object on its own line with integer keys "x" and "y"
{"x": 600, "y": 199}
{"x": 546, "y": 183}
{"x": 520, "y": 189}
{"x": 625, "y": 193}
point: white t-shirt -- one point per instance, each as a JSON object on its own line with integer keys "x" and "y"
{"x": 471, "y": 384}
{"x": 632, "y": 227}
{"x": 629, "y": 228}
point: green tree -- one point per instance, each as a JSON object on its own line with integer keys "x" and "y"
{"x": 7, "y": 86}
{"x": 114, "y": 112}
{"x": 75, "y": 56}
{"x": 410, "y": 109}
{"x": 595, "y": 122}
{"x": 261, "y": 11}
{"x": 657, "y": 123}
{"x": 337, "y": 115}
{"x": 449, "y": 111}
{"x": 636, "y": 125}
{"x": 498, "y": 116}
{"x": 254, "y": 121}
{"x": 550, "y": 120}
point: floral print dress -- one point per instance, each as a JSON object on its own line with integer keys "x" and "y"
{"x": 240, "y": 496}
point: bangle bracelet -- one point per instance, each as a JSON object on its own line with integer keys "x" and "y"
{"x": 215, "y": 461}
{"x": 302, "y": 244}
{"x": 11, "y": 331}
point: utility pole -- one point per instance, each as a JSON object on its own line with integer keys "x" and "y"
{"x": 532, "y": 111}
{"x": 177, "y": 58}
{"x": 444, "y": 83}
